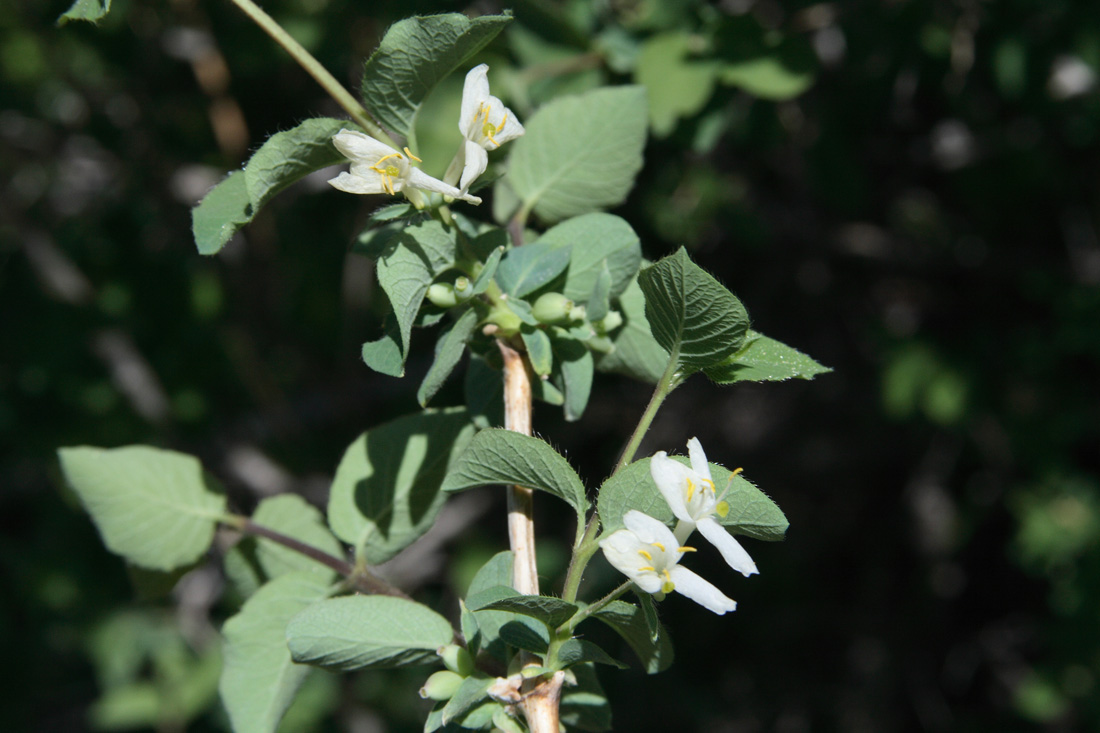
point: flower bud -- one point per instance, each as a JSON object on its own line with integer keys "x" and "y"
{"x": 552, "y": 308}
{"x": 456, "y": 659}
{"x": 442, "y": 295}
{"x": 610, "y": 322}
{"x": 463, "y": 288}
{"x": 441, "y": 686}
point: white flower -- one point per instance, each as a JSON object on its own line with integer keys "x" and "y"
{"x": 485, "y": 123}
{"x": 378, "y": 168}
{"x": 690, "y": 494}
{"x": 647, "y": 553}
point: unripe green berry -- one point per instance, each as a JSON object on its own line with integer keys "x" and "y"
{"x": 552, "y": 308}
{"x": 456, "y": 659}
{"x": 442, "y": 295}
{"x": 441, "y": 686}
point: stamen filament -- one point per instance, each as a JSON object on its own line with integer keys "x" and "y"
{"x": 418, "y": 160}
{"x": 646, "y": 555}
{"x": 685, "y": 548}
{"x": 659, "y": 546}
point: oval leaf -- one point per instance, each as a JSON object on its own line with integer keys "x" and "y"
{"x": 692, "y": 314}
{"x": 580, "y": 153}
{"x": 151, "y": 506}
{"x": 386, "y": 492}
{"x": 595, "y": 241}
{"x": 629, "y": 622}
{"x": 497, "y": 456}
{"x": 414, "y": 55}
{"x": 367, "y": 631}
{"x": 259, "y": 679}
{"x": 764, "y": 359}
{"x": 286, "y": 157}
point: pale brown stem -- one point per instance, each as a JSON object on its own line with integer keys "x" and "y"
{"x": 541, "y": 697}
{"x": 521, "y": 526}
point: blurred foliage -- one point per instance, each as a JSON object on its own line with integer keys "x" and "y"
{"x": 922, "y": 219}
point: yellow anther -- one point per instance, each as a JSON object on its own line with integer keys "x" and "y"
{"x": 668, "y": 586}
{"x": 659, "y": 546}
{"x": 646, "y": 555}
{"x": 736, "y": 471}
{"x": 648, "y": 567}
{"x": 387, "y": 157}
{"x": 709, "y": 483}
{"x": 408, "y": 153}
{"x": 502, "y": 121}
{"x": 685, "y": 548}
{"x": 691, "y": 489}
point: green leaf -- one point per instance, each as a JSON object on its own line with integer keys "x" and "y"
{"x": 414, "y": 55}
{"x": 89, "y": 10}
{"x": 584, "y": 706}
{"x": 629, "y": 622}
{"x": 677, "y": 86}
{"x": 595, "y": 240}
{"x": 259, "y": 679}
{"x": 764, "y": 359}
{"x": 488, "y": 271}
{"x": 576, "y": 651}
{"x": 636, "y": 354}
{"x": 255, "y": 560}
{"x": 773, "y": 77}
{"x": 483, "y": 388}
{"x": 551, "y": 611}
{"x": 482, "y": 628}
{"x": 386, "y": 355}
{"x": 599, "y": 302}
{"x": 526, "y": 269}
{"x": 692, "y": 314}
{"x": 497, "y": 456}
{"x": 353, "y": 632}
{"x": 408, "y": 265}
{"x": 576, "y": 367}
{"x": 449, "y": 350}
{"x": 751, "y": 512}
{"x": 152, "y": 506}
{"x": 286, "y": 157}
{"x": 580, "y": 153}
{"x": 386, "y": 492}
{"x": 539, "y": 351}
{"x": 472, "y": 691}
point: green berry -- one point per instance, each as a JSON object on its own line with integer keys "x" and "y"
{"x": 441, "y": 686}
{"x": 456, "y": 659}
{"x": 552, "y": 308}
{"x": 442, "y": 295}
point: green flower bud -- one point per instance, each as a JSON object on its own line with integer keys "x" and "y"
{"x": 442, "y": 295}
{"x": 441, "y": 686}
{"x": 456, "y": 659}
{"x": 552, "y": 308}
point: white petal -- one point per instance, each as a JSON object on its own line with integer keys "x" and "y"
{"x": 649, "y": 582}
{"x": 702, "y": 592}
{"x": 698, "y": 458}
{"x": 732, "y": 551}
{"x": 475, "y": 93}
{"x": 454, "y": 170}
{"x": 499, "y": 114}
{"x": 671, "y": 479}
{"x": 621, "y": 550}
{"x": 360, "y": 147}
{"x": 477, "y": 160}
{"x": 648, "y": 530}
{"x": 417, "y": 178}
{"x": 357, "y": 184}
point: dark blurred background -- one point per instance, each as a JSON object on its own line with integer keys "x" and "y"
{"x": 922, "y": 219}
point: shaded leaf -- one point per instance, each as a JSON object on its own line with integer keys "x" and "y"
{"x": 526, "y": 269}
{"x": 764, "y": 359}
{"x": 596, "y": 241}
{"x": 449, "y": 350}
{"x": 629, "y": 622}
{"x": 553, "y": 612}
{"x": 576, "y": 651}
{"x": 636, "y": 354}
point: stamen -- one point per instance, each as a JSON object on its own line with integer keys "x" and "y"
{"x": 668, "y": 586}
{"x": 387, "y": 157}
{"x": 501, "y": 125}
{"x": 722, "y": 508}
{"x": 659, "y": 546}
{"x": 709, "y": 483}
{"x": 649, "y": 568}
{"x": 646, "y": 555}
{"x": 418, "y": 160}
{"x": 691, "y": 489}
{"x": 685, "y": 548}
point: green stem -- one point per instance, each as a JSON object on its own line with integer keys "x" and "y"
{"x": 665, "y": 385}
{"x": 566, "y": 629}
{"x": 582, "y": 552}
{"x": 313, "y": 67}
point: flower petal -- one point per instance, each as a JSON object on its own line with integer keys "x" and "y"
{"x": 647, "y": 529}
{"x": 732, "y": 551}
{"x": 458, "y": 163}
{"x": 671, "y": 479}
{"x": 359, "y": 147}
{"x": 698, "y": 458}
{"x": 500, "y": 114}
{"x": 477, "y": 160}
{"x": 417, "y": 178}
{"x": 701, "y": 591}
{"x": 621, "y": 550}
{"x": 475, "y": 93}
{"x": 358, "y": 184}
